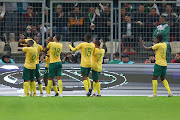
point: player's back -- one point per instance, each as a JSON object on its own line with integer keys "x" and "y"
{"x": 97, "y": 59}
{"x": 86, "y": 54}
{"x": 160, "y": 53}
{"x": 31, "y": 54}
{"x": 55, "y": 51}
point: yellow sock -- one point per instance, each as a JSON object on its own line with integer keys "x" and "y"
{"x": 94, "y": 86}
{"x": 33, "y": 84}
{"x": 86, "y": 85}
{"x": 155, "y": 84}
{"x": 46, "y": 88}
{"x": 98, "y": 87}
{"x": 165, "y": 82}
{"x": 50, "y": 83}
{"x": 89, "y": 82}
{"x": 30, "y": 87}
{"x": 55, "y": 88}
{"x": 41, "y": 88}
{"x": 60, "y": 86}
{"x": 26, "y": 88}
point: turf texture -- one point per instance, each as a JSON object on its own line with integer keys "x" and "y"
{"x": 92, "y": 108}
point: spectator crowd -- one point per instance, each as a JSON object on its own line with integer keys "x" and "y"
{"x": 72, "y": 20}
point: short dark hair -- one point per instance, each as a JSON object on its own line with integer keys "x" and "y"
{"x": 159, "y": 37}
{"x": 51, "y": 38}
{"x": 31, "y": 42}
{"x": 88, "y": 36}
{"x": 58, "y": 38}
{"x": 152, "y": 54}
{"x": 116, "y": 54}
{"x": 97, "y": 42}
{"x": 178, "y": 53}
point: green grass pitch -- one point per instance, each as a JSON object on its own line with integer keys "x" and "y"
{"x": 83, "y": 108}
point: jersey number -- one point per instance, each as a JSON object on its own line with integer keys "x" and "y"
{"x": 164, "y": 51}
{"x": 99, "y": 56}
{"x": 34, "y": 56}
{"x": 56, "y": 52}
{"x": 88, "y": 52}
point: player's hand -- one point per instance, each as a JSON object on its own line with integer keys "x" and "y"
{"x": 141, "y": 41}
{"x": 70, "y": 43}
{"x": 100, "y": 40}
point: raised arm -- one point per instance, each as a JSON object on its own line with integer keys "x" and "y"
{"x": 75, "y": 49}
{"x": 142, "y": 44}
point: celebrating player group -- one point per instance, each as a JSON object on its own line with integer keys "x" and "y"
{"x": 91, "y": 59}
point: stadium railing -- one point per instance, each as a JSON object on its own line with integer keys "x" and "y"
{"x": 139, "y": 19}
{"x": 20, "y": 18}
{"x": 73, "y": 19}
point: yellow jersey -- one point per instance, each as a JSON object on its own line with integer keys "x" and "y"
{"x": 55, "y": 51}
{"x": 47, "y": 59}
{"x": 160, "y": 53}
{"x": 40, "y": 48}
{"x": 86, "y": 53}
{"x": 97, "y": 59}
{"x": 31, "y": 54}
{"x": 37, "y": 47}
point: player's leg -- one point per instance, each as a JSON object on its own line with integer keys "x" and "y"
{"x": 51, "y": 75}
{"x": 37, "y": 74}
{"x": 33, "y": 83}
{"x": 58, "y": 76}
{"x": 94, "y": 87}
{"x": 165, "y": 82}
{"x": 89, "y": 82}
{"x": 85, "y": 72}
{"x": 46, "y": 78}
{"x": 26, "y": 77}
{"x": 156, "y": 73}
{"x": 155, "y": 84}
{"x": 95, "y": 76}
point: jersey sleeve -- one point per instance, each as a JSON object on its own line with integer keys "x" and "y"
{"x": 25, "y": 49}
{"x": 79, "y": 46}
{"x": 155, "y": 47}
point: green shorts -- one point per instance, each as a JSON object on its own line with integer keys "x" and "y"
{"x": 46, "y": 71}
{"x": 159, "y": 70}
{"x": 55, "y": 69}
{"x": 95, "y": 75}
{"x": 37, "y": 71}
{"x": 28, "y": 74}
{"x": 85, "y": 71}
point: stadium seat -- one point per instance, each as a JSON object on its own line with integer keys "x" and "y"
{"x": 108, "y": 46}
{"x": 175, "y": 47}
{"x": 66, "y": 48}
{"x": 2, "y": 44}
{"x": 14, "y": 47}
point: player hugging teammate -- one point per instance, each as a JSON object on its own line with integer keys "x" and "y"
{"x": 91, "y": 58}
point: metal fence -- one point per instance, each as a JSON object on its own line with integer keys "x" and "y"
{"x": 142, "y": 19}
{"x": 73, "y": 19}
{"x": 120, "y": 28}
{"x": 18, "y": 20}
